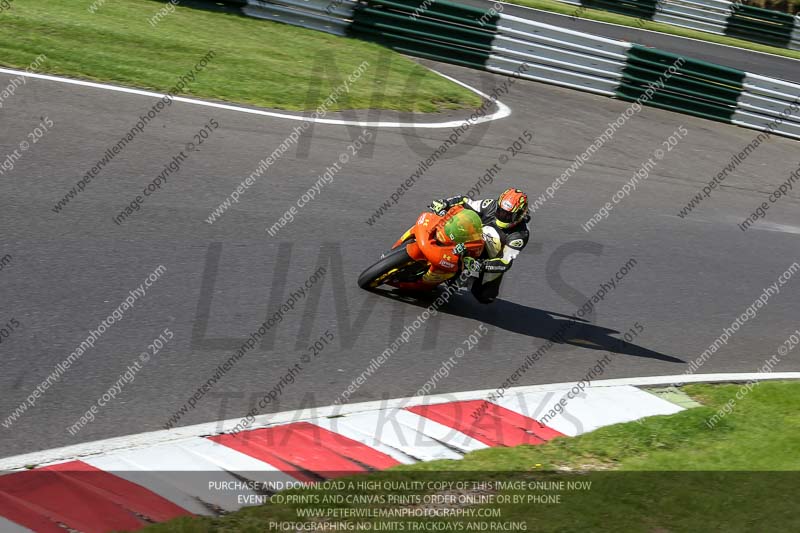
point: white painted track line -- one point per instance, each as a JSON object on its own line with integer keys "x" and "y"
{"x": 502, "y": 111}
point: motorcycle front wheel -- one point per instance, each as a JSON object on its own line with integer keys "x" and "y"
{"x": 394, "y": 264}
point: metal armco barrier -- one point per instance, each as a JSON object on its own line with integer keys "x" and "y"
{"x": 693, "y": 87}
{"x": 555, "y": 55}
{"x": 720, "y": 17}
{"x": 438, "y": 29}
{"x": 320, "y": 15}
{"x": 761, "y": 25}
{"x": 710, "y": 16}
{"x": 485, "y": 39}
{"x": 767, "y": 103}
{"x": 644, "y": 9}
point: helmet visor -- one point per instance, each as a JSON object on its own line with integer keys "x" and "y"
{"x": 505, "y": 216}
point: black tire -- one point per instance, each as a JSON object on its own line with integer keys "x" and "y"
{"x": 380, "y": 272}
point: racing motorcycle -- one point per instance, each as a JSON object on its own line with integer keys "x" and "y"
{"x": 432, "y": 252}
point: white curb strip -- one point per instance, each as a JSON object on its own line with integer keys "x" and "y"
{"x": 131, "y": 442}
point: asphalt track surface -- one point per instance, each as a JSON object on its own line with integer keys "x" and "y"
{"x": 747, "y": 60}
{"x": 69, "y": 270}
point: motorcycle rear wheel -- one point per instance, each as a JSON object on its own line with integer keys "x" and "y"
{"x": 392, "y": 264}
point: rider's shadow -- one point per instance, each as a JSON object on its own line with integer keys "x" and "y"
{"x": 532, "y": 322}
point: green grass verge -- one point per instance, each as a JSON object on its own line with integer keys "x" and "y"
{"x": 624, "y": 20}
{"x": 666, "y": 473}
{"x": 256, "y": 62}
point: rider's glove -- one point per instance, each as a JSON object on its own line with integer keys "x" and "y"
{"x": 439, "y": 207}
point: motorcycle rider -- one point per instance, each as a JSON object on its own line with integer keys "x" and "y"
{"x": 505, "y": 229}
